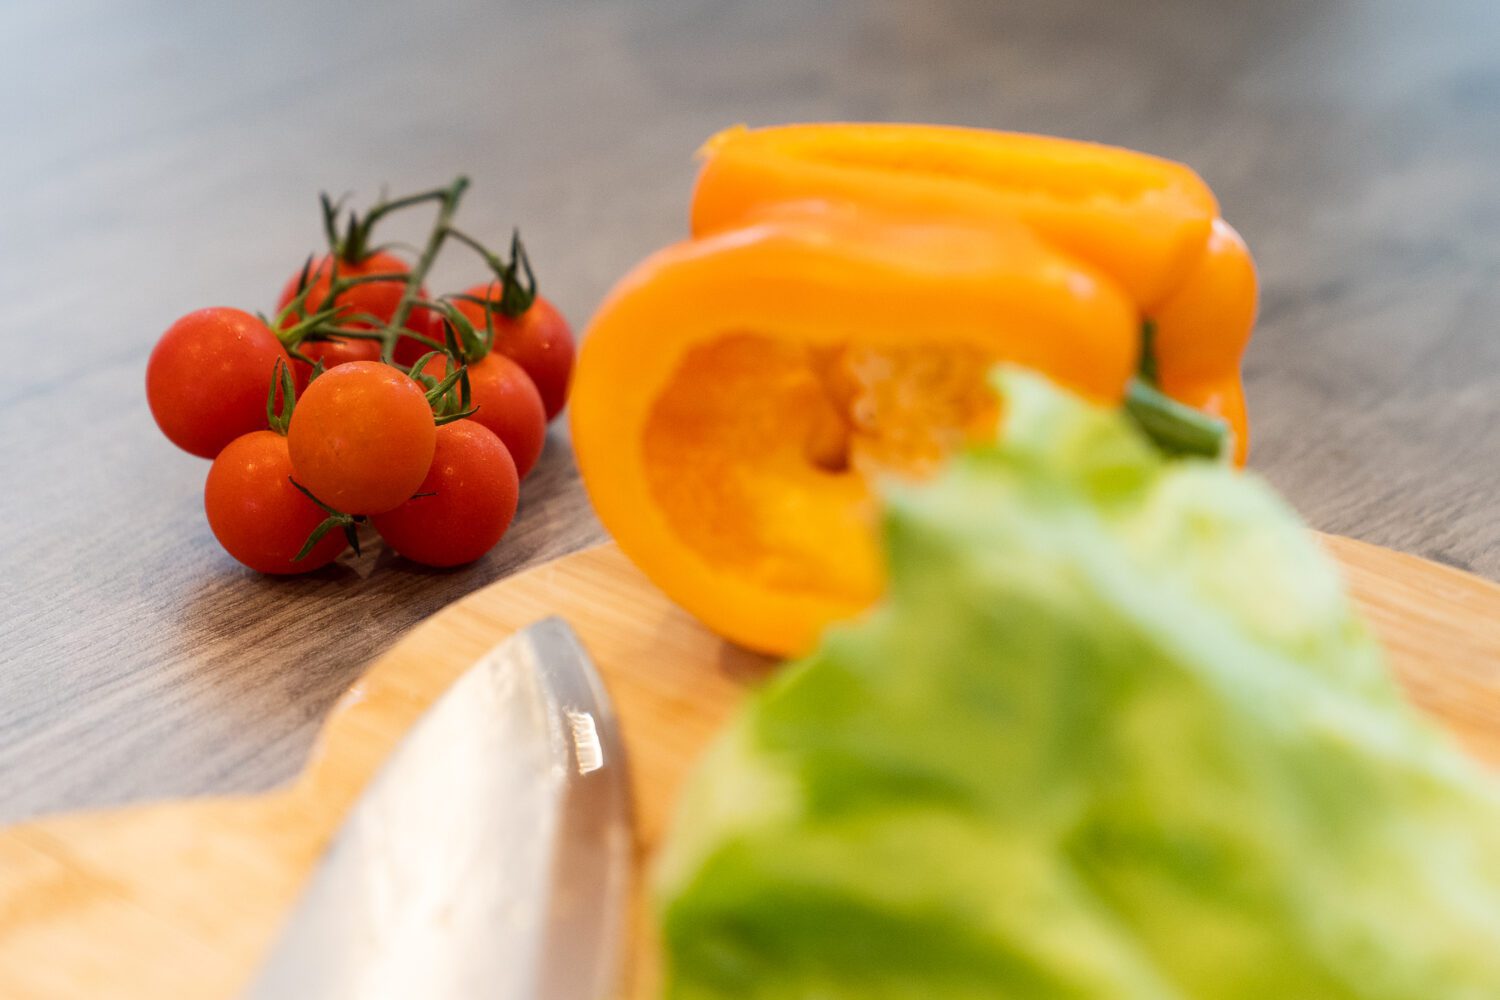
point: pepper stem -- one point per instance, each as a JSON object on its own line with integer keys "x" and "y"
{"x": 1176, "y": 428}
{"x": 1148, "y": 366}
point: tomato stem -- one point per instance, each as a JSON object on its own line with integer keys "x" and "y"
{"x": 440, "y": 397}
{"x": 412, "y": 293}
{"x": 291, "y": 337}
{"x": 331, "y": 211}
{"x": 344, "y": 284}
{"x": 335, "y": 519}
{"x": 515, "y": 296}
{"x": 448, "y": 381}
{"x": 279, "y": 418}
{"x": 310, "y": 326}
{"x": 353, "y": 246}
{"x": 460, "y": 339}
{"x": 490, "y": 258}
{"x": 337, "y": 286}
{"x": 360, "y": 248}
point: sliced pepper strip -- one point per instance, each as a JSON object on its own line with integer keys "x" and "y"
{"x": 736, "y": 393}
{"x": 1142, "y": 219}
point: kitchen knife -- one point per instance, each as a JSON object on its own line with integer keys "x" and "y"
{"x": 489, "y": 857}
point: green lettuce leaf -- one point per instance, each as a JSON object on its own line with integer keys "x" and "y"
{"x": 1115, "y": 733}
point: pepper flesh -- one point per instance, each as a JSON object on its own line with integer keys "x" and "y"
{"x": 1150, "y": 224}
{"x": 736, "y": 393}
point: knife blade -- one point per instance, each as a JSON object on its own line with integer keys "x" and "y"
{"x": 490, "y": 855}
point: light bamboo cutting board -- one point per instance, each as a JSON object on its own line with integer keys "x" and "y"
{"x": 181, "y": 899}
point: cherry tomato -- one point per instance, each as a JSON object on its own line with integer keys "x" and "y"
{"x": 207, "y": 378}
{"x": 538, "y": 340}
{"x": 361, "y": 437}
{"x": 334, "y": 352}
{"x": 378, "y": 298}
{"x": 474, "y": 490}
{"x": 506, "y": 402}
{"x": 257, "y": 514}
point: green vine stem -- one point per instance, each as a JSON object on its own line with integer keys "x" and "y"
{"x": 440, "y": 395}
{"x": 335, "y": 519}
{"x": 461, "y": 340}
{"x": 315, "y": 326}
{"x": 490, "y": 257}
{"x": 279, "y": 412}
{"x": 516, "y": 296}
{"x": 354, "y": 246}
{"x": 412, "y": 292}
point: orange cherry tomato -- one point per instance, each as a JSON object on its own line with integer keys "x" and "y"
{"x": 361, "y": 437}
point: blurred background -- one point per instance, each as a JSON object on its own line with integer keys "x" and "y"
{"x": 177, "y": 148}
{"x": 164, "y": 156}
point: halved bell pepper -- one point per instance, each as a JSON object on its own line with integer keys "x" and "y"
{"x": 737, "y": 393}
{"x": 1142, "y": 219}
{"x": 1150, "y": 224}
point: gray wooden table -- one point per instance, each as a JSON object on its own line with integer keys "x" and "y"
{"x": 160, "y": 157}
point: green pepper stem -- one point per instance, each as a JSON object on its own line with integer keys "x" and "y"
{"x": 1148, "y": 366}
{"x": 1176, "y": 428}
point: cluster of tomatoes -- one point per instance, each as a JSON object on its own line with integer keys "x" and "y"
{"x": 365, "y": 401}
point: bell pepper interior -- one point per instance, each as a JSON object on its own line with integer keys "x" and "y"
{"x": 761, "y": 451}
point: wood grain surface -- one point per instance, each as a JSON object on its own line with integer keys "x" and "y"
{"x": 164, "y": 156}
{"x": 182, "y": 899}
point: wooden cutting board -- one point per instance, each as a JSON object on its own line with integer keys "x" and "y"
{"x": 181, "y": 899}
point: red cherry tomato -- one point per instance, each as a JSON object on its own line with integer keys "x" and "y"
{"x": 538, "y": 340}
{"x": 474, "y": 490}
{"x": 257, "y": 514}
{"x": 361, "y": 437}
{"x": 207, "y": 378}
{"x": 334, "y": 352}
{"x": 378, "y": 298}
{"x": 506, "y": 402}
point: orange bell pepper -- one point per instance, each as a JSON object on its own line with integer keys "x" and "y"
{"x": 736, "y": 394}
{"x": 1148, "y": 223}
{"x": 1139, "y": 218}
